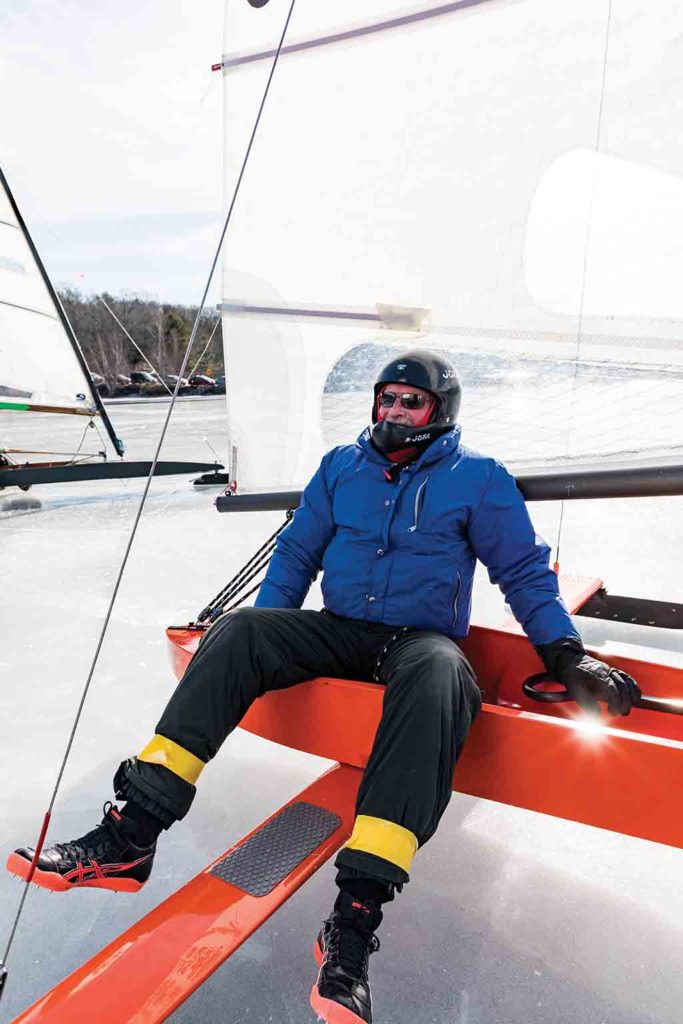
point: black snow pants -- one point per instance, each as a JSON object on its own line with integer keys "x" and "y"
{"x": 430, "y": 701}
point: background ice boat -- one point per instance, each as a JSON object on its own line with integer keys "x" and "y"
{"x": 304, "y": 342}
{"x": 42, "y": 370}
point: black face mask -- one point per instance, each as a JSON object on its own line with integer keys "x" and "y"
{"x": 389, "y": 438}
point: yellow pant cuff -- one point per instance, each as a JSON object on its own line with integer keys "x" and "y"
{"x": 174, "y": 757}
{"x": 383, "y": 839}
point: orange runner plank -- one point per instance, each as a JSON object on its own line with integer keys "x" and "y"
{"x": 145, "y": 974}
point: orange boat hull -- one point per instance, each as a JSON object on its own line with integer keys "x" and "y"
{"x": 625, "y": 776}
{"x": 519, "y": 752}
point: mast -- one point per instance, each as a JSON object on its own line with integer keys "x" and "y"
{"x": 118, "y": 444}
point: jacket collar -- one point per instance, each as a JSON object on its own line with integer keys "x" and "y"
{"x": 444, "y": 446}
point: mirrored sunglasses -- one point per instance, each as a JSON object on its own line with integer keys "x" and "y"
{"x": 409, "y": 401}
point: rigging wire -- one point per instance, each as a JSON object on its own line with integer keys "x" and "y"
{"x": 258, "y": 561}
{"x": 31, "y": 451}
{"x": 72, "y": 456}
{"x": 99, "y": 434}
{"x": 86, "y": 688}
{"x": 212, "y": 450}
{"x": 584, "y": 274}
{"x": 89, "y": 426}
{"x": 134, "y": 342}
{"x": 215, "y": 326}
{"x": 147, "y": 360}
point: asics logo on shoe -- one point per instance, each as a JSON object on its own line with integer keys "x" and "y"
{"x": 82, "y": 872}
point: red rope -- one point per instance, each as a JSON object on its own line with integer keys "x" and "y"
{"x": 39, "y": 846}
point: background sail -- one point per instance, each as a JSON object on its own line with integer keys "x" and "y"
{"x": 38, "y": 366}
{"x": 446, "y": 159}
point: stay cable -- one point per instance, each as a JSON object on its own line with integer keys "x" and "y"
{"x": 98, "y": 648}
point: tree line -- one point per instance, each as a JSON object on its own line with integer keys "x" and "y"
{"x": 161, "y": 330}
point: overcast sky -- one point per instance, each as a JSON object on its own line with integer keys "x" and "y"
{"x": 111, "y": 139}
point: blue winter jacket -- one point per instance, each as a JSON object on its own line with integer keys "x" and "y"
{"x": 403, "y": 553}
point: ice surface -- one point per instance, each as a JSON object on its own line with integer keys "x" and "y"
{"x": 511, "y": 917}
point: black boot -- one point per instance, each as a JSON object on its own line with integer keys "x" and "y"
{"x": 341, "y": 994}
{"x": 105, "y": 858}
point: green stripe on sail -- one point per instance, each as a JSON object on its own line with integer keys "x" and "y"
{"x": 23, "y": 406}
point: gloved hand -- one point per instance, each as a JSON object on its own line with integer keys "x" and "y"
{"x": 587, "y": 679}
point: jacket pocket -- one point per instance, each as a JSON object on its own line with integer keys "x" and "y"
{"x": 454, "y": 606}
{"x": 418, "y": 505}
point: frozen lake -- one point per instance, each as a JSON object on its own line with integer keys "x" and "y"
{"x": 511, "y": 917}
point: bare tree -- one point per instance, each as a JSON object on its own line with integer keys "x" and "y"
{"x": 161, "y": 331}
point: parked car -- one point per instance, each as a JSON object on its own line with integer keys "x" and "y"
{"x": 123, "y": 386}
{"x": 100, "y": 383}
{"x": 200, "y": 380}
{"x": 142, "y": 377}
{"x": 171, "y": 379}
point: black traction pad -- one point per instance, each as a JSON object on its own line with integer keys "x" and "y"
{"x": 267, "y": 857}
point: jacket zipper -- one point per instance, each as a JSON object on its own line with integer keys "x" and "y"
{"x": 416, "y": 510}
{"x": 458, "y": 585}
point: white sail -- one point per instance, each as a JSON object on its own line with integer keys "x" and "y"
{"x": 39, "y": 368}
{"x": 467, "y": 159}
{"x": 636, "y": 244}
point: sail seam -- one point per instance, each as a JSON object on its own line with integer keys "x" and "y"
{"x": 515, "y": 334}
{"x": 401, "y": 21}
{"x": 28, "y": 309}
{"x": 240, "y": 309}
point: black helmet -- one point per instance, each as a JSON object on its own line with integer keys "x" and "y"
{"x": 421, "y": 369}
{"x": 429, "y": 371}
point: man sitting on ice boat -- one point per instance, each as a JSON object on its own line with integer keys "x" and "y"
{"x": 396, "y": 522}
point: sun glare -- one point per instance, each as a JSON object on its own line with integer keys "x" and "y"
{"x": 590, "y": 728}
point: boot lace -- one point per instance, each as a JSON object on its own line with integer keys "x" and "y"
{"x": 92, "y": 843}
{"x": 351, "y": 948}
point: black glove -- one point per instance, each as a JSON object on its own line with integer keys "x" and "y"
{"x": 587, "y": 679}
